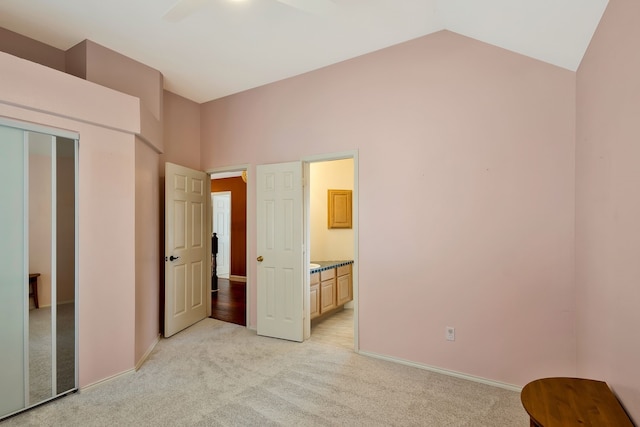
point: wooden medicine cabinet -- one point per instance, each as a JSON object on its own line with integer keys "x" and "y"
{"x": 339, "y": 214}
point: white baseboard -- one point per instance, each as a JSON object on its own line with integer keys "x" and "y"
{"x": 104, "y": 380}
{"x": 33, "y": 307}
{"x": 147, "y": 353}
{"x": 444, "y": 371}
{"x": 128, "y": 371}
{"x": 238, "y": 278}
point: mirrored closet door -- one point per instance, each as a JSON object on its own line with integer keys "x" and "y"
{"x": 38, "y": 265}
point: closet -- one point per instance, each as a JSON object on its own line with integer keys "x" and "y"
{"x": 38, "y": 265}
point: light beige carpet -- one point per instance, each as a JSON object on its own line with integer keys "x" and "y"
{"x": 222, "y": 374}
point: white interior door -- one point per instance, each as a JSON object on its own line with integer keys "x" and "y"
{"x": 222, "y": 227}
{"x": 280, "y": 251}
{"x": 186, "y": 248}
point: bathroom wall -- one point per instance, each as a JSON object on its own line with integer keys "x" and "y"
{"x": 329, "y": 244}
{"x": 608, "y": 204}
{"x": 466, "y": 195}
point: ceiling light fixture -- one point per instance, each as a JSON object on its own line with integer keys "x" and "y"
{"x": 184, "y": 8}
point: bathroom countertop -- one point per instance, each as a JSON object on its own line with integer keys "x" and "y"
{"x": 326, "y": 265}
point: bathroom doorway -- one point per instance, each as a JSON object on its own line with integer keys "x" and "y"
{"x": 334, "y": 249}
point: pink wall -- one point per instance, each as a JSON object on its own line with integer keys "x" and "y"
{"x": 148, "y": 229}
{"x": 608, "y": 204}
{"x": 127, "y": 117}
{"x": 32, "y": 50}
{"x": 106, "y": 121}
{"x": 181, "y": 132}
{"x": 112, "y": 69}
{"x": 98, "y": 64}
{"x": 466, "y": 186}
{"x": 480, "y": 221}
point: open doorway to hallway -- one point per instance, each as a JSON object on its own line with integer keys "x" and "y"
{"x": 229, "y": 264}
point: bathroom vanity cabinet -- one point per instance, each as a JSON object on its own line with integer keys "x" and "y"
{"x": 314, "y": 300}
{"x": 344, "y": 285}
{"x": 331, "y": 286}
{"x": 327, "y": 290}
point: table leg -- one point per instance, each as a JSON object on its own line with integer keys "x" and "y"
{"x": 33, "y": 282}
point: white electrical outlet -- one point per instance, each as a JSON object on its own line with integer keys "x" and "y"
{"x": 450, "y": 333}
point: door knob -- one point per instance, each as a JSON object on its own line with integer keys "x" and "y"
{"x": 173, "y": 258}
{"x": 260, "y": 259}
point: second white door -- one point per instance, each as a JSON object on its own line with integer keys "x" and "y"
{"x": 280, "y": 251}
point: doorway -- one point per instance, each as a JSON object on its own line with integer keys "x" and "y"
{"x": 277, "y": 220}
{"x": 221, "y": 213}
{"x": 229, "y": 219}
{"x": 328, "y": 245}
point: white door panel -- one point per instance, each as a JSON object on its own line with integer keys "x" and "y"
{"x": 185, "y": 248}
{"x": 280, "y": 240}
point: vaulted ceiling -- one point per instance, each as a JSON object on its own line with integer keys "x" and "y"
{"x": 226, "y": 46}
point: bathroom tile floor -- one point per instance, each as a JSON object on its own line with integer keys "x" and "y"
{"x": 336, "y": 329}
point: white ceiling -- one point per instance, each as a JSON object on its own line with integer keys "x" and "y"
{"x": 228, "y": 46}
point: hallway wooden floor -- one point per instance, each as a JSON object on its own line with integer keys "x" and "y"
{"x": 229, "y": 303}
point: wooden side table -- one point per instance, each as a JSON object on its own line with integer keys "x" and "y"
{"x": 565, "y": 402}
{"x": 33, "y": 285}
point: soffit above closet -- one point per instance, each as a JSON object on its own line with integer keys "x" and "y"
{"x": 226, "y": 46}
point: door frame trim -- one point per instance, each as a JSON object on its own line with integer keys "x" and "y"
{"x": 306, "y": 160}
